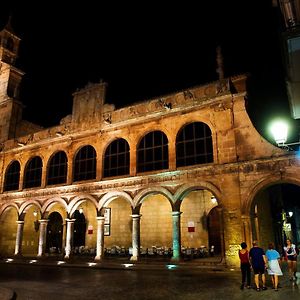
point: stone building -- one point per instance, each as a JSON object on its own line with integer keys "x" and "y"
{"x": 174, "y": 172}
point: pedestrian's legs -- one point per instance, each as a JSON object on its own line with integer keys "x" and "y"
{"x": 263, "y": 278}
{"x": 248, "y": 271}
{"x": 273, "y": 281}
{"x": 256, "y": 279}
{"x": 276, "y": 282}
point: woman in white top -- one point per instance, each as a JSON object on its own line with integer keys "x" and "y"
{"x": 291, "y": 254}
{"x": 273, "y": 265}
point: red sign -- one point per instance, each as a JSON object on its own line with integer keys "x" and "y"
{"x": 191, "y": 229}
{"x": 90, "y": 229}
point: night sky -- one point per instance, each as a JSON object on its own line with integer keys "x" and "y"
{"x": 145, "y": 50}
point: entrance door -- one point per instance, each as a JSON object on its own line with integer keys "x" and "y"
{"x": 214, "y": 230}
{"x": 54, "y": 233}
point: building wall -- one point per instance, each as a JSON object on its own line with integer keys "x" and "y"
{"x": 243, "y": 164}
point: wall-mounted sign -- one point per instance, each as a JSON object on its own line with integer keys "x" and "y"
{"x": 191, "y": 226}
{"x": 90, "y": 229}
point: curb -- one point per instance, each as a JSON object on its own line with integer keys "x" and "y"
{"x": 118, "y": 266}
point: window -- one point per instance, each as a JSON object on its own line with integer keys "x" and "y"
{"x": 152, "y": 153}
{"x": 116, "y": 159}
{"x": 33, "y": 173}
{"x": 58, "y": 168}
{"x": 85, "y": 164}
{"x": 10, "y": 44}
{"x": 194, "y": 145}
{"x": 12, "y": 177}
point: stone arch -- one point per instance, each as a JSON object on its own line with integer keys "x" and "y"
{"x": 113, "y": 139}
{"x": 264, "y": 183}
{"x": 155, "y": 128}
{"x": 187, "y": 188}
{"x": 49, "y": 204}
{"x": 185, "y": 122}
{"x": 110, "y": 196}
{"x": 25, "y": 206}
{"x": 138, "y": 199}
{"x": 7, "y": 206}
{"x": 76, "y": 201}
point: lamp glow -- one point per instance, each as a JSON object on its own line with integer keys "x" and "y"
{"x": 291, "y": 213}
{"x": 279, "y": 130}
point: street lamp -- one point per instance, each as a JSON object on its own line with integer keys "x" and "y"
{"x": 279, "y": 130}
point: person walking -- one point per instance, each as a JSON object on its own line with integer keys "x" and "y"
{"x": 245, "y": 265}
{"x": 274, "y": 269}
{"x": 258, "y": 262}
{"x": 291, "y": 254}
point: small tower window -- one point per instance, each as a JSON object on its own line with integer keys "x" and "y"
{"x": 10, "y": 44}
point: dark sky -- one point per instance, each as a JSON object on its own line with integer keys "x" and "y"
{"x": 145, "y": 50}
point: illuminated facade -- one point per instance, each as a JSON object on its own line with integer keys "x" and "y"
{"x": 175, "y": 172}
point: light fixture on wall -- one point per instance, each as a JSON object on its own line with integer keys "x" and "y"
{"x": 36, "y": 223}
{"x": 213, "y": 199}
{"x": 80, "y": 210}
{"x": 290, "y": 214}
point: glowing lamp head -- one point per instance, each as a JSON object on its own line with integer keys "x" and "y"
{"x": 279, "y": 130}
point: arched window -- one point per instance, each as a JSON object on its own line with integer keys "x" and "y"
{"x": 33, "y": 173}
{"x": 12, "y": 177}
{"x": 85, "y": 164}
{"x": 10, "y": 44}
{"x": 194, "y": 145}
{"x": 58, "y": 168}
{"x": 116, "y": 159}
{"x": 152, "y": 152}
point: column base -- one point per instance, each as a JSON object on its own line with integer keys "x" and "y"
{"x": 98, "y": 258}
{"x": 176, "y": 258}
{"x": 67, "y": 257}
{"x": 18, "y": 255}
{"x": 134, "y": 258}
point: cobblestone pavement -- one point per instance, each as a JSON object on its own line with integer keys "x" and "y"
{"x": 33, "y": 280}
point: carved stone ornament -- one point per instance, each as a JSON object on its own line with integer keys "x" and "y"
{"x": 107, "y": 118}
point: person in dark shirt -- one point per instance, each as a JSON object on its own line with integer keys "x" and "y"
{"x": 245, "y": 265}
{"x": 258, "y": 262}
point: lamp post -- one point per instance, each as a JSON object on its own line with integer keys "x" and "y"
{"x": 279, "y": 130}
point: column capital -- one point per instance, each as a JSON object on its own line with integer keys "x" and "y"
{"x": 44, "y": 221}
{"x": 20, "y": 222}
{"x": 135, "y": 216}
{"x": 70, "y": 220}
{"x": 176, "y": 213}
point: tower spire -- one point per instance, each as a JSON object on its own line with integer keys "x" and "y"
{"x": 219, "y": 60}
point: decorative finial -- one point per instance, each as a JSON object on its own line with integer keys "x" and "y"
{"x": 220, "y": 67}
{"x": 8, "y": 25}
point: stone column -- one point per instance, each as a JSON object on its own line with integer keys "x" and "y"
{"x": 135, "y": 237}
{"x": 221, "y": 223}
{"x": 42, "y": 237}
{"x": 172, "y": 154}
{"x": 100, "y": 239}
{"x": 247, "y": 230}
{"x": 19, "y": 237}
{"x": 133, "y": 162}
{"x": 176, "y": 235}
{"x": 70, "y": 170}
{"x": 69, "y": 237}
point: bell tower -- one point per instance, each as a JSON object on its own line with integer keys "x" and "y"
{"x": 10, "y": 78}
